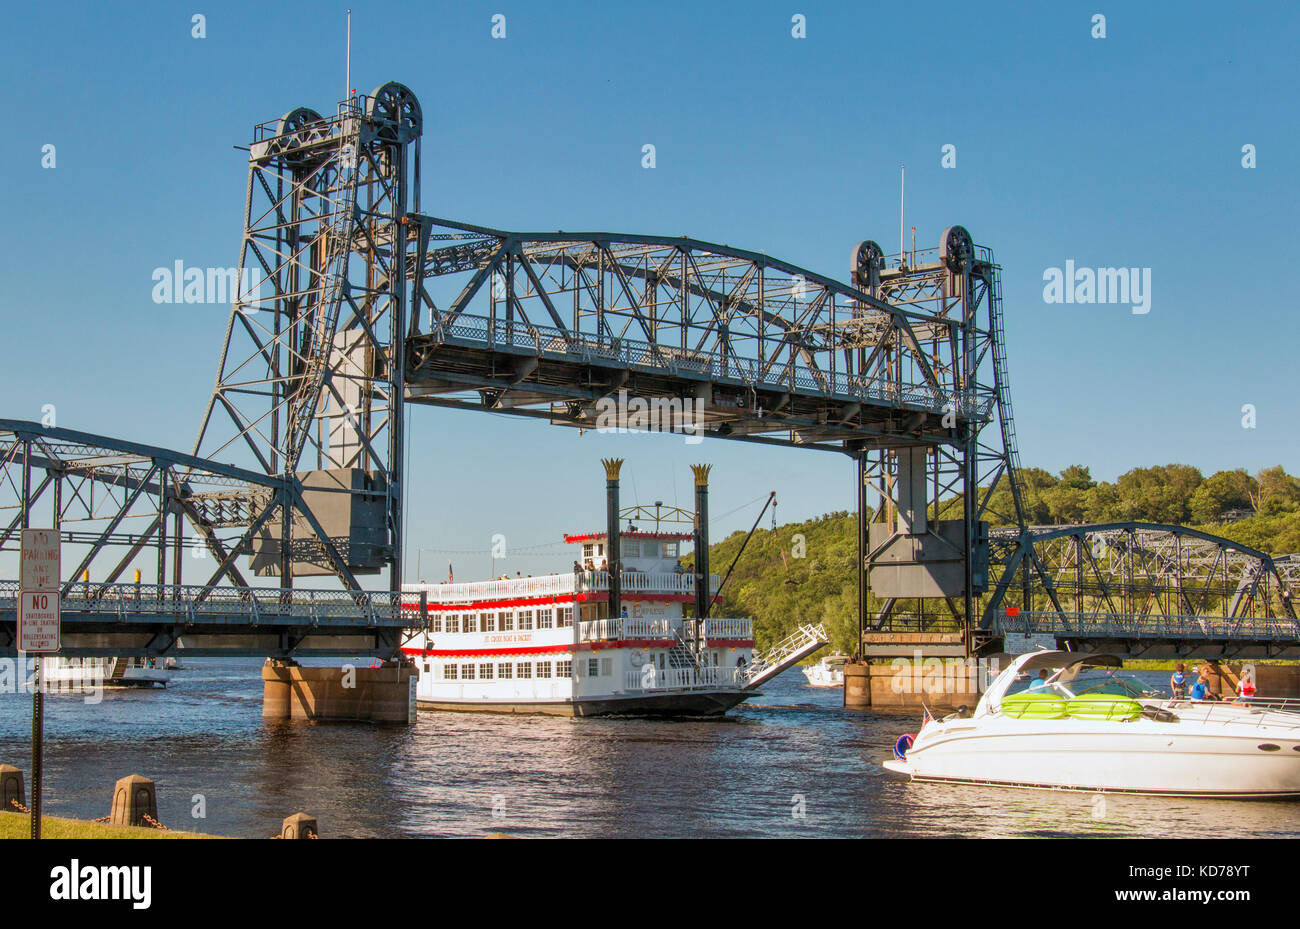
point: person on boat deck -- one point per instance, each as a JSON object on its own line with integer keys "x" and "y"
{"x": 1039, "y": 682}
{"x": 625, "y": 612}
{"x": 604, "y": 564}
{"x": 1178, "y": 681}
{"x": 1201, "y": 689}
{"x": 677, "y": 568}
{"x": 1245, "y": 688}
{"x": 577, "y": 568}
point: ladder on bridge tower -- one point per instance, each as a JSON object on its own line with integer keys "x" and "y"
{"x": 1005, "y": 420}
{"x": 789, "y": 651}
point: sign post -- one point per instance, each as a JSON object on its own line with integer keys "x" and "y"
{"x": 39, "y": 632}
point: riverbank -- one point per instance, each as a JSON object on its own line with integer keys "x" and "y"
{"x": 19, "y": 826}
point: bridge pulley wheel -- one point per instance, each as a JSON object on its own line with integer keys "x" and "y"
{"x": 868, "y": 260}
{"x": 957, "y": 248}
{"x": 396, "y": 105}
{"x": 296, "y": 122}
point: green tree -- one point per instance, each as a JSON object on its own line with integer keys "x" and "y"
{"x": 1221, "y": 492}
{"x": 1160, "y": 494}
{"x": 1275, "y": 491}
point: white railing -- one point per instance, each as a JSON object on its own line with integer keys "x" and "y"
{"x": 555, "y": 584}
{"x": 728, "y": 629}
{"x": 802, "y": 642}
{"x": 511, "y": 588}
{"x": 594, "y": 630}
{"x": 652, "y": 678}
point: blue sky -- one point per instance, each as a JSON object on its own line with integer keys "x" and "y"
{"x": 1121, "y": 152}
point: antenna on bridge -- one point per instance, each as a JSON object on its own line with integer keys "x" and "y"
{"x": 902, "y": 235}
{"x": 348, "y": 94}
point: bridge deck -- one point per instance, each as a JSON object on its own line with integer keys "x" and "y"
{"x": 1156, "y": 635}
{"x": 159, "y": 620}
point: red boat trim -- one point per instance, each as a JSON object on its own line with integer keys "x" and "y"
{"x": 570, "y": 646}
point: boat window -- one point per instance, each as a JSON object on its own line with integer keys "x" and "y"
{"x": 566, "y": 617}
{"x": 588, "y": 550}
{"x": 670, "y": 549}
{"x": 449, "y": 672}
{"x": 545, "y": 619}
{"x": 489, "y": 622}
{"x": 525, "y": 669}
{"x": 632, "y": 548}
{"x": 485, "y": 671}
{"x": 593, "y": 667}
{"x": 525, "y": 619}
{"x": 564, "y": 669}
{"x": 435, "y": 622}
{"x": 1108, "y": 682}
{"x": 607, "y": 666}
{"x": 453, "y": 622}
{"x": 471, "y": 622}
{"x": 506, "y": 621}
{"x": 543, "y": 669}
{"x": 649, "y": 549}
{"x": 467, "y": 672}
{"x": 505, "y": 670}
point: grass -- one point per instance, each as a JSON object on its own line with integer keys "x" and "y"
{"x": 19, "y": 826}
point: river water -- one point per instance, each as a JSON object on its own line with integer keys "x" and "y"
{"x": 791, "y": 762}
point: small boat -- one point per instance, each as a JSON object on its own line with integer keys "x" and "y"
{"x": 1081, "y": 726}
{"x": 829, "y": 672}
{"x": 77, "y": 674}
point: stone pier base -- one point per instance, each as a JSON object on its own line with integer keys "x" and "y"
{"x": 942, "y": 684}
{"x": 346, "y": 694}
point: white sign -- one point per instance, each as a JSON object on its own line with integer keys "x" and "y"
{"x": 38, "y": 621}
{"x": 38, "y": 595}
{"x": 40, "y": 558}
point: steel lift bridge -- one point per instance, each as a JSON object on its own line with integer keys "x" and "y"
{"x": 361, "y": 305}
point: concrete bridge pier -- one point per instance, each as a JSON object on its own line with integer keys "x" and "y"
{"x": 346, "y": 694}
{"x": 941, "y": 684}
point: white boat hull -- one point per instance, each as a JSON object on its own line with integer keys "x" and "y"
{"x": 1221, "y": 759}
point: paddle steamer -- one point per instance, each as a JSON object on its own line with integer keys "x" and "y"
{"x": 549, "y": 645}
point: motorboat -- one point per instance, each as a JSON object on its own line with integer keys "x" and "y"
{"x": 1068, "y": 721}
{"x": 829, "y": 672}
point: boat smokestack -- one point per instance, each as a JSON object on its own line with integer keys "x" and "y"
{"x": 701, "y": 472}
{"x": 613, "y": 550}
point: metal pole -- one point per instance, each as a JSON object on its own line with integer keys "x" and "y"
{"x": 701, "y": 472}
{"x": 613, "y": 548}
{"x": 38, "y": 701}
{"x": 860, "y": 469}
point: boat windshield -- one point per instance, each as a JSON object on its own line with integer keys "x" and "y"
{"x": 1088, "y": 681}
{"x": 1104, "y": 681}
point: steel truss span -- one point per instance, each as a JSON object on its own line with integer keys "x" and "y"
{"x": 123, "y": 506}
{"x": 705, "y": 337}
{"x": 1141, "y": 587}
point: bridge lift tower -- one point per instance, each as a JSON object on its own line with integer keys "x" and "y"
{"x": 928, "y": 541}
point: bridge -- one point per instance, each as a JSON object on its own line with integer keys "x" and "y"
{"x": 361, "y": 306}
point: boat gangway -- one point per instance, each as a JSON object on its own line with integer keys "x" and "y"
{"x": 789, "y": 651}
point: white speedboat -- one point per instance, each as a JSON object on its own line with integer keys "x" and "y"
{"x": 1084, "y": 727}
{"x": 829, "y": 672}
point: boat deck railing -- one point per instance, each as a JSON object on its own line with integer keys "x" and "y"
{"x": 558, "y": 584}
{"x": 596, "y": 630}
{"x": 702, "y": 678}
